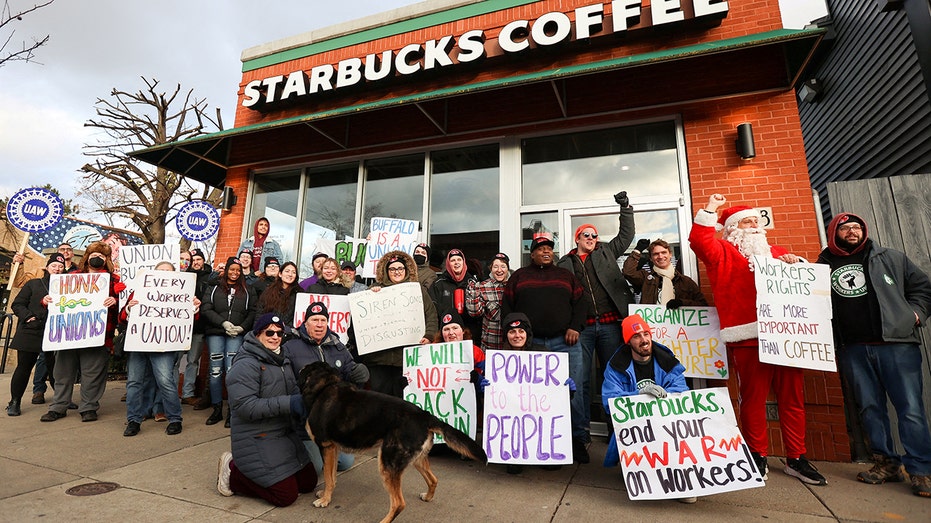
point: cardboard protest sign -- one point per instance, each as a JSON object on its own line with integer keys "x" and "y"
{"x": 692, "y": 333}
{"x": 439, "y": 383}
{"x": 388, "y": 234}
{"x": 793, "y": 308}
{"x": 348, "y": 249}
{"x": 337, "y": 307}
{"x": 527, "y": 419}
{"x": 163, "y": 320}
{"x": 77, "y": 317}
{"x": 686, "y": 444}
{"x": 391, "y": 317}
{"x": 136, "y": 258}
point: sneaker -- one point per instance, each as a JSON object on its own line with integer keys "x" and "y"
{"x": 884, "y": 469}
{"x": 688, "y": 501}
{"x": 223, "y": 474}
{"x": 52, "y": 416}
{"x": 173, "y": 428}
{"x": 38, "y": 398}
{"x": 132, "y": 428}
{"x": 580, "y": 451}
{"x": 761, "y": 464}
{"x": 921, "y": 485}
{"x": 802, "y": 469}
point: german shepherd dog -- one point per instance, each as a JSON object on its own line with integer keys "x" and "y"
{"x": 342, "y": 416}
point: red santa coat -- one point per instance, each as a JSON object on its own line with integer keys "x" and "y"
{"x": 731, "y": 279}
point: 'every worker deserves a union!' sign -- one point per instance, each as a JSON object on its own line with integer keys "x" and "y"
{"x": 527, "y": 408}
{"x": 77, "y": 317}
{"x": 793, "y": 304}
{"x": 163, "y": 320}
{"x": 686, "y": 444}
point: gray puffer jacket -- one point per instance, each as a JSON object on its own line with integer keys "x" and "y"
{"x": 266, "y": 444}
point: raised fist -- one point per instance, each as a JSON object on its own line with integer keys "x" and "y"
{"x": 716, "y": 200}
{"x": 642, "y": 244}
{"x": 621, "y": 199}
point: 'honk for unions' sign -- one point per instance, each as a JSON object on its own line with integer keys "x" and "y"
{"x": 793, "y": 304}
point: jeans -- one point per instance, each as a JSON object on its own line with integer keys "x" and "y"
{"x": 38, "y": 379}
{"x": 602, "y": 339}
{"x": 558, "y": 344}
{"x": 893, "y": 370}
{"x": 222, "y": 350}
{"x": 159, "y": 368}
{"x": 192, "y": 367}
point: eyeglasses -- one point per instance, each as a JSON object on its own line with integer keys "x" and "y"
{"x": 396, "y": 269}
{"x": 590, "y": 235}
{"x": 271, "y": 333}
{"x": 850, "y": 227}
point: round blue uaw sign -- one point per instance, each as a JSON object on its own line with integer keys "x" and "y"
{"x": 197, "y": 220}
{"x": 34, "y": 209}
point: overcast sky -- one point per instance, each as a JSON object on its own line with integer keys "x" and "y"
{"x": 98, "y": 45}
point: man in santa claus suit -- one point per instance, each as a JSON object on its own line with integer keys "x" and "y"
{"x": 730, "y": 270}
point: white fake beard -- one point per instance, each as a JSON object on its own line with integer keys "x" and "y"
{"x": 751, "y": 241}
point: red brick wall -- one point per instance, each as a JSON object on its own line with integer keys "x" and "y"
{"x": 231, "y": 222}
{"x": 777, "y": 178}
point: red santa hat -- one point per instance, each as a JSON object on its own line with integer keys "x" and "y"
{"x": 731, "y": 216}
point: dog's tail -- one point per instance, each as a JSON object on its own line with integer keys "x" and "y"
{"x": 459, "y": 441}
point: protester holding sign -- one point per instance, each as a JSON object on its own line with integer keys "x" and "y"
{"x": 90, "y": 361}
{"x": 31, "y": 309}
{"x": 664, "y": 284}
{"x": 728, "y": 261}
{"x": 157, "y": 366}
{"x": 228, "y": 309}
{"x": 316, "y": 342}
{"x": 386, "y": 366}
{"x": 880, "y": 299}
{"x": 640, "y": 366}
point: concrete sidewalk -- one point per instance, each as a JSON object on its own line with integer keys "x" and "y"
{"x": 173, "y": 478}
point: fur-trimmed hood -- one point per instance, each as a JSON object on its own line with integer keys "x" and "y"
{"x": 381, "y": 270}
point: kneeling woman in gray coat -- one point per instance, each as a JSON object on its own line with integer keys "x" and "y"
{"x": 269, "y": 460}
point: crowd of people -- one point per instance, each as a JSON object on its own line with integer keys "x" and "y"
{"x": 575, "y": 304}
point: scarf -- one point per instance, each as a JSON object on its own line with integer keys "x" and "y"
{"x": 666, "y": 290}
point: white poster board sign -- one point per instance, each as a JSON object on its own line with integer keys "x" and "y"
{"x": 77, "y": 317}
{"x": 692, "y": 333}
{"x": 527, "y": 420}
{"x": 686, "y": 444}
{"x": 391, "y": 317}
{"x": 136, "y": 258}
{"x": 163, "y": 320}
{"x": 438, "y": 377}
{"x": 793, "y": 308}
{"x": 388, "y": 234}
{"x": 337, "y": 307}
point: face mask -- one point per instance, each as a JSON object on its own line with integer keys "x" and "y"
{"x": 96, "y": 262}
{"x": 185, "y": 264}
{"x": 420, "y": 259}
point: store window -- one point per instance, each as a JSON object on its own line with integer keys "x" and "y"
{"x": 464, "y": 203}
{"x": 276, "y": 197}
{"x": 393, "y": 189}
{"x": 329, "y": 208}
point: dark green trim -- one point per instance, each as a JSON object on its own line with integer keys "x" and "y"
{"x": 778, "y": 36}
{"x": 406, "y": 26}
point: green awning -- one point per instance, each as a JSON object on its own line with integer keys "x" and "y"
{"x": 206, "y": 158}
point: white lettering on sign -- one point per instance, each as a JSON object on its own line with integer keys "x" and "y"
{"x": 549, "y": 29}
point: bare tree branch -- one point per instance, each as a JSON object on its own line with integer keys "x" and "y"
{"x": 8, "y": 17}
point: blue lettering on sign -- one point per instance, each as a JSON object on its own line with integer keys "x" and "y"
{"x": 35, "y": 208}
{"x": 198, "y": 221}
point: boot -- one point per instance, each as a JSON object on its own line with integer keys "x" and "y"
{"x": 217, "y": 415}
{"x": 12, "y": 408}
{"x": 229, "y": 413}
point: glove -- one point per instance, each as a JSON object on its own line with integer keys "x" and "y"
{"x": 484, "y": 383}
{"x": 475, "y": 376}
{"x": 359, "y": 374}
{"x": 227, "y": 326}
{"x": 654, "y": 390}
{"x": 571, "y": 384}
{"x": 297, "y": 406}
{"x": 621, "y": 199}
{"x": 673, "y": 304}
{"x": 642, "y": 244}
{"x": 237, "y": 329}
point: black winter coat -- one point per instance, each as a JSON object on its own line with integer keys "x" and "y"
{"x": 28, "y": 304}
